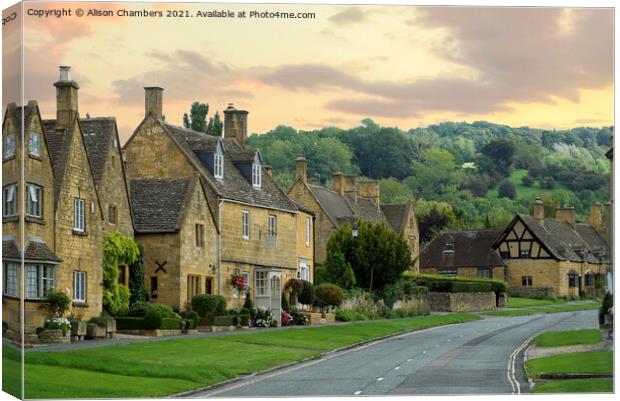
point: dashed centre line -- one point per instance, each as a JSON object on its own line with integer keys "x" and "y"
{"x": 357, "y": 392}
{"x": 379, "y": 379}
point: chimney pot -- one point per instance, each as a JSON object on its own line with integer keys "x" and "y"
{"x": 538, "y": 209}
{"x": 567, "y": 214}
{"x": 66, "y": 99}
{"x": 301, "y": 169}
{"x": 236, "y": 124}
{"x": 65, "y": 73}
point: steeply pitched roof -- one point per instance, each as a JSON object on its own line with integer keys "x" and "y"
{"x": 396, "y": 216}
{"x": 365, "y": 209}
{"x": 98, "y": 134}
{"x": 564, "y": 242}
{"x": 472, "y": 248}
{"x": 235, "y": 186}
{"x": 302, "y": 207}
{"x": 157, "y": 203}
{"x": 15, "y": 113}
{"x": 58, "y": 144}
{"x": 334, "y": 204}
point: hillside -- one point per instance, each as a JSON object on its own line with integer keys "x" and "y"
{"x": 454, "y": 170}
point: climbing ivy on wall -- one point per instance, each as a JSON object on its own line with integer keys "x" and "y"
{"x": 136, "y": 278}
{"x": 117, "y": 250}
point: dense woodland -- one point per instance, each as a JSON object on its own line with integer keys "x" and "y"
{"x": 460, "y": 175}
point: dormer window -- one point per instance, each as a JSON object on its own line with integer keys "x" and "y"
{"x": 218, "y": 163}
{"x": 256, "y": 175}
{"x": 448, "y": 247}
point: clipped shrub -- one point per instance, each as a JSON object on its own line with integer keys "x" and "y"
{"x": 168, "y": 323}
{"x": 307, "y": 294}
{"x": 244, "y": 319}
{"x": 57, "y": 302}
{"x": 220, "y": 308}
{"x": 328, "y": 294}
{"x": 207, "y": 320}
{"x": 204, "y": 303}
{"x": 248, "y": 300}
{"x": 152, "y": 319}
{"x": 138, "y": 309}
{"x": 225, "y": 320}
{"x": 130, "y": 323}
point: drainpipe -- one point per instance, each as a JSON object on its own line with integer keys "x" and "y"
{"x": 219, "y": 247}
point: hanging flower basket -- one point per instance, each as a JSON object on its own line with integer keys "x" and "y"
{"x": 238, "y": 282}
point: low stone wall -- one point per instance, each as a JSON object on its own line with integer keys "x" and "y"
{"x": 54, "y": 336}
{"x": 421, "y": 305}
{"x": 502, "y": 300}
{"x": 152, "y": 333}
{"x": 216, "y": 329}
{"x": 318, "y": 318}
{"x": 461, "y": 301}
{"x": 531, "y": 292}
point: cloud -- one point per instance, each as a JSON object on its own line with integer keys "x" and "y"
{"x": 521, "y": 55}
{"x": 349, "y": 16}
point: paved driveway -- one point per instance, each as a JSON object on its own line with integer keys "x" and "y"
{"x": 473, "y": 357}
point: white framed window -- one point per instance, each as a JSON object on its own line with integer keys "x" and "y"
{"x": 218, "y": 165}
{"x": 303, "y": 271}
{"x": 78, "y": 214}
{"x": 10, "y": 284}
{"x": 39, "y": 280}
{"x": 308, "y": 231}
{"x": 9, "y": 200}
{"x": 34, "y": 143}
{"x": 9, "y": 146}
{"x": 272, "y": 229}
{"x": 246, "y": 224}
{"x": 256, "y": 175}
{"x": 34, "y": 195}
{"x": 260, "y": 283}
{"x": 79, "y": 286}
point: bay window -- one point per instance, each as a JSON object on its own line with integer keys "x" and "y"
{"x": 39, "y": 280}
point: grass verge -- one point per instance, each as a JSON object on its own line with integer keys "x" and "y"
{"x": 575, "y": 386}
{"x": 570, "y": 337}
{"x": 516, "y": 302}
{"x": 549, "y": 309}
{"x": 593, "y": 362}
{"x": 155, "y": 369}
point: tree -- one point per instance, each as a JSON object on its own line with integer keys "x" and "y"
{"x": 507, "y": 189}
{"x": 547, "y": 183}
{"x": 338, "y": 270}
{"x": 137, "y": 289}
{"x": 186, "y": 122}
{"x": 527, "y": 180}
{"x": 496, "y": 158}
{"x": 198, "y": 116}
{"x": 434, "y": 220}
{"x": 378, "y": 256}
{"x": 215, "y": 126}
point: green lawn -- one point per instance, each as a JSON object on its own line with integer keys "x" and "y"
{"x": 549, "y": 309}
{"x": 570, "y": 337}
{"x": 524, "y": 192}
{"x": 593, "y": 362}
{"x": 516, "y": 302}
{"x": 575, "y": 386}
{"x": 167, "y": 367}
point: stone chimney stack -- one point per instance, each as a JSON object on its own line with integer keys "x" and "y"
{"x": 538, "y": 209}
{"x": 268, "y": 169}
{"x": 236, "y": 124}
{"x": 567, "y": 214}
{"x": 594, "y": 219}
{"x": 338, "y": 182}
{"x": 301, "y": 169}
{"x": 370, "y": 190}
{"x": 153, "y": 101}
{"x": 66, "y": 99}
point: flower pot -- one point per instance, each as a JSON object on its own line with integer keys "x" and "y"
{"x": 78, "y": 329}
{"x": 94, "y": 331}
{"x": 110, "y": 328}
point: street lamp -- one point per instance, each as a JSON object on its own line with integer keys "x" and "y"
{"x": 355, "y": 231}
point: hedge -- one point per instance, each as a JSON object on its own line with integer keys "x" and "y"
{"x": 140, "y": 323}
{"x": 226, "y": 320}
{"x": 480, "y": 284}
{"x": 245, "y": 319}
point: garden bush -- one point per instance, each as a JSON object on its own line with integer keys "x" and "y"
{"x": 307, "y": 294}
{"x": 328, "y": 294}
{"x": 168, "y": 323}
{"x": 297, "y": 317}
{"x": 152, "y": 319}
{"x": 350, "y": 316}
{"x": 245, "y": 319}
{"x": 284, "y": 303}
{"x": 57, "y": 302}
{"x": 263, "y": 318}
{"x": 225, "y": 320}
{"x": 220, "y": 308}
{"x": 204, "y": 303}
{"x": 130, "y": 323}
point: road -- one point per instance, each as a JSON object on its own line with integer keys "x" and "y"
{"x": 469, "y": 358}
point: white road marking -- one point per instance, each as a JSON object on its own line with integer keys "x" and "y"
{"x": 511, "y": 373}
{"x": 437, "y": 346}
{"x": 357, "y": 392}
{"x": 424, "y": 352}
{"x": 379, "y": 379}
{"x": 409, "y": 360}
{"x": 396, "y": 368}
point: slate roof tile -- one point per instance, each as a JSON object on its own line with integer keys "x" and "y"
{"x": 472, "y": 248}
{"x": 157, "y": 203}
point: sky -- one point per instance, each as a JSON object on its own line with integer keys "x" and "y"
{"x": 401, "y": 66}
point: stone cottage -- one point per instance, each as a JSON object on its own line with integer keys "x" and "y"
{"x": 176, "y": 226}
{"x": 556, "y": 253}
{"x": 350, "y": 200}
{"x": 467, "y": 253}
{"x": 73, "y": 173}
{"x": 255, "y": 220}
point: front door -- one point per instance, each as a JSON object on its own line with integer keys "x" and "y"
{"x": 275, "y": 289}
